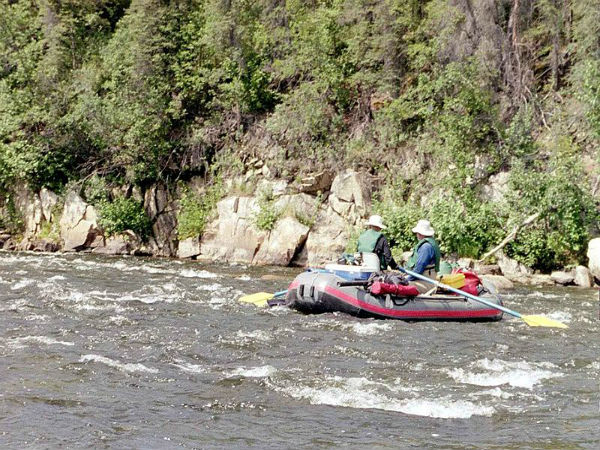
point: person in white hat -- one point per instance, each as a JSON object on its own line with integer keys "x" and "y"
{"x": 425, "y": 258}
{"x": 372, "y": 240}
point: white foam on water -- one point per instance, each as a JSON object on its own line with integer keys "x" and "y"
{"x": 15, "y": 306}
{"x": 595, "y": 365}
{"x": 21, "y": 284}
{"x": 36, "y": 318}
{"x": 167, "y": 293}
{"x": 21, "y": 342}
{"x": 153, "y": 270}
{"x": 125, "y": 367}
{"x": 57, "y": 278}
{"x": 188, "y": 367}
{"x": 244, "y": 278}
{"x": 189, "y": 273}
{"x": 496, "y": 392}
{"x": 544, "y": 295}
{"x": 120, "y": 320}
{"x": 360, "y": 393}
{"x": 561, "y": 316}
{"x": 519, "y": 374}
{"x": 369, "y": 329}
{"x": 256, "y": 335}
{"x": 210, "y": 287}
{"x": 252, "y": 372}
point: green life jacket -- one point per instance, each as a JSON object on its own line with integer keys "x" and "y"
{"x": 412, "y": 262}
{"x": 367, "y": 241}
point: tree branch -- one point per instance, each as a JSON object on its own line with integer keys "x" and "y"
{"x": 511, "y": 236}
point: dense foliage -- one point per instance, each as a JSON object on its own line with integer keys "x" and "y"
{"x": 123, "y": 214}
{"x": 436, "y": 96}
{"x": 195, "y": 210}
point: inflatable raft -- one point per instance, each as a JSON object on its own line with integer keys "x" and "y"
{"x": 323, "y": 291}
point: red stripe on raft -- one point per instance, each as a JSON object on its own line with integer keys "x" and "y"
{"x": 293, "y": 285}
{"x": 415, "y": 313}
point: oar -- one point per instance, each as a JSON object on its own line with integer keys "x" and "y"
{"x": 261, "y": 299}
{"x": 533, "y": 321}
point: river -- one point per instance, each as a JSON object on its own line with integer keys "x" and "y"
{"x": 119, "y": 353}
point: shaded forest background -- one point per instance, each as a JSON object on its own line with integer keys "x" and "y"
{"x": 434, "y": 98}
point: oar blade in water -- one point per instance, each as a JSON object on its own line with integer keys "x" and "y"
{"x": 541, "y": 321}
{"x": 259, "y": 299}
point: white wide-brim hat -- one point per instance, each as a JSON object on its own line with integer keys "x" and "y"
{"x": 423, "y": 227}
{"x": 376, "y": 221}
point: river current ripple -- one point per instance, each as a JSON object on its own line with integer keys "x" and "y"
{"x": 139, "y": 353}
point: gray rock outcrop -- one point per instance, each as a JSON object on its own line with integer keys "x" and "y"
{"x": 120, "y": 244}
{"x": 48, "y": 201}
{"x": 78, "y": 224}
{"x": 500, "y": 283}
{"x": 583, "y": 277}
{"x": 282, "y": 243}
{"x": 189, "y": 248}
{"x": 327, "y": 239}
{"x": 233, "y": 235}
{"x": 593, "y": 254}
{"x": 350, "y": 195}
{"x": 511, "y": 269}
{"x": 562, "y": 278}
{"x": 30, "y": 207}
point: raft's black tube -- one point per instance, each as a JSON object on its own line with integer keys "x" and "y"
{"x": 352, "y": 283}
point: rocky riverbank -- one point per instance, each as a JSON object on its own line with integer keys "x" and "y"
{"x": 313, "y": 220}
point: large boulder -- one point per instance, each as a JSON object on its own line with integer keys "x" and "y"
{"x": 487, "y": 269}
{"x": 44, "y": 245}
{"x": 282, "y": 243}
{"x": 78, "y": 224}
{"x": 233, "y": 235}
{"x": 583, "y": 277}
{"x": 500, "y": 283}
{"x": 351, "y": 188}
{"x": 562, "y": 278}
{"x": 189, "y": 248}
{"x": 497, "y": 187}
{"x": 3, "y": 238}
{"x": 315, "y": 183}
{"x": 30, "y": 207}
{"x": 327, "y": 239}
{"x": 539, "y": 279}
{"x": 511, "y": 269}
{"x": 48, "y": 200}
{"x": 593, "y": 253}
{"x": 120, "y": 244}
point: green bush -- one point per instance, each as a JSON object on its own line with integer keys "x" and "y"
{"x": 268, "y": 214}
{"x": 399, "y": 221}
{"x": 465, "y": 228}
{"x": 196, "y": 210}
{"x": 567, "y": 210}
{"x": 10, "y": 218}
{"x": 124, "y": 214}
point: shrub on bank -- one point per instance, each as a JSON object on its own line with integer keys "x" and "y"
{"x": 196, "y": 210}
{"x": 123, "y": 214}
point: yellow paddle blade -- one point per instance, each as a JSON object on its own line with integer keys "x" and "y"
{"x": 259, "y": 299}
{"x": 541, "y": 321}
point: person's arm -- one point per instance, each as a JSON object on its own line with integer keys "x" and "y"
{"x": 383, "y": 248}
{"x": 424, "y": 256}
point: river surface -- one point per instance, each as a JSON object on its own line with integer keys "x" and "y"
{"x": 132, "y": 353}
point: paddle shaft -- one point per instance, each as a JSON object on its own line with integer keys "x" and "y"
{"x": 459, "y": 292}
